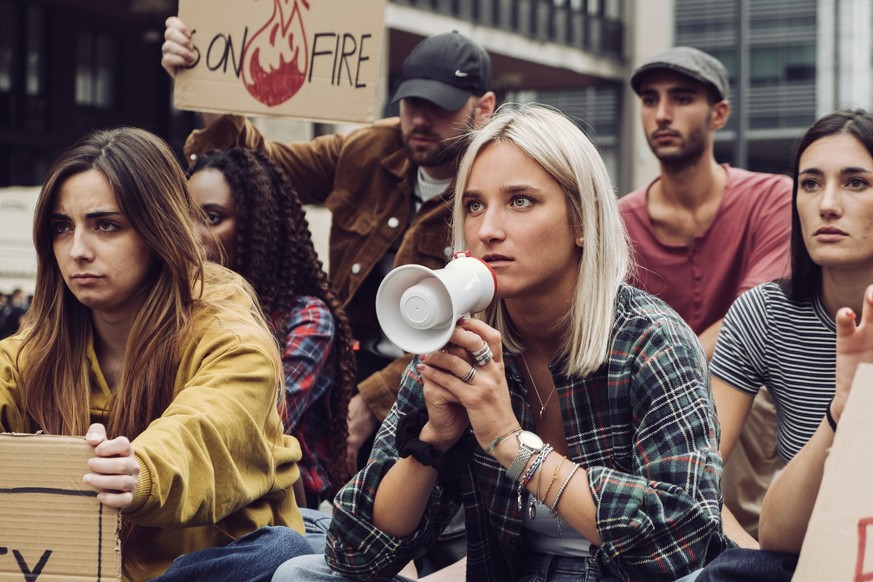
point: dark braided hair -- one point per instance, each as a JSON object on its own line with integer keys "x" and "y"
{"x": 274, "y": 253}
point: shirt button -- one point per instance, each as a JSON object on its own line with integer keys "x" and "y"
{"x": 356, "y": 268}
{"x": 393, "y": 222}
{"x": 193, "y": 157}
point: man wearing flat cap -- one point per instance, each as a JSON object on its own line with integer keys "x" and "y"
{"x": 386, "y": 185}
{"x": 703, "y": 233}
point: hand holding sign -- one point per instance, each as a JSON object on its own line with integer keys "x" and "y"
{"x": 294, "y": 58}
{"x": 115, "y": 470}
{"x": 178, "y": 50}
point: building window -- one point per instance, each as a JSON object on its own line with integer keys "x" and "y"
{"x": 95, "y": 70}
{"x": 780, "y": 64}
{"x": 33, "y": 84}
{"x": 7, "y": 42}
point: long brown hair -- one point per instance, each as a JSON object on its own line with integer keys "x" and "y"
{"x": 152, "y": 191}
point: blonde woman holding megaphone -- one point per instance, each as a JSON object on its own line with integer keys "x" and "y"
{"x": 573, "y": 420}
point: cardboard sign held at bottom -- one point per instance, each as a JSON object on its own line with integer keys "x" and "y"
{"x": 52, "y": 528}
{"x": 838, "y": 546}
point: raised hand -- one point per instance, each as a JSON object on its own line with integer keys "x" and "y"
{"x": 178, "y": 50}
{"x": 854, "y": 346}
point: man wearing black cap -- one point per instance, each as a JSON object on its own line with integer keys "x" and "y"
{"x": 386, "y": 186}
{"x": 704, "y": 232}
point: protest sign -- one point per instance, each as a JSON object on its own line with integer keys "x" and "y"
{"x": 52, "y": 528}
{"x": 308, "y": 59}
{"x": 838, "y": 546}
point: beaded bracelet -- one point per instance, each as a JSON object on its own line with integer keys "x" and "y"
{"x": 554, "y": 508}
{"x": 830, "y": 416}
{"x": 497, "y": 440}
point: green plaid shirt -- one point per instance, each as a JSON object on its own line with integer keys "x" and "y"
{"x": 643, "y": 426}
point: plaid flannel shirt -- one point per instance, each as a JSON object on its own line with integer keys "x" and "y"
{"x": 644, "y": 428}
{"x": 309, "y": 369}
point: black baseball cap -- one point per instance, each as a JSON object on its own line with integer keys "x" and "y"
{"x": 445, "y": 69}
{"x": 689, "y": 61}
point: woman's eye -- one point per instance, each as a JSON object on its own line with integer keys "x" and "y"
{"x": 213, "y": 219}
{"x": 60, "y": 227}
{"x": 521, "y": 202}
{"x": 857, "y": 183}
{"x": 808, "y": 185}
{"x": 106, "y": 226}
{"x": 474, "y": 206}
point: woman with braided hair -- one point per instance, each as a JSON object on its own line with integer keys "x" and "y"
{"x": 257, "y": 227}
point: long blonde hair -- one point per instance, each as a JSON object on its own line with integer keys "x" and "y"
{"x": 566, "y": 154}
{"x": 152, "y": 191}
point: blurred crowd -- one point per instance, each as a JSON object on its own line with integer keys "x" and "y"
{"x": 13, "y": 311}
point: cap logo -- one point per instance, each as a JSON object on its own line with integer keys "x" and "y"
{"x": 460, "y": 73}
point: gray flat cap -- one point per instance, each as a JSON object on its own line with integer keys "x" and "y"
{"x": 688, "y": 61}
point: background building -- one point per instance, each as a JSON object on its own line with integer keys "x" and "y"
{"x": 790, "y": 62}
{"x": 70, "y": 66}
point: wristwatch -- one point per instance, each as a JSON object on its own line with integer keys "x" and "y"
{"x": 529, "y": 444}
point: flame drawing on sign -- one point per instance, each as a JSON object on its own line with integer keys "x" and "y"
{"x": 276, "y": 58}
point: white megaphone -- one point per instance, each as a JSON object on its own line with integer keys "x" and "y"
{"x": 417, "y": 307}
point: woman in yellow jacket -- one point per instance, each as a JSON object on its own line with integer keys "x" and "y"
{"x": 163, "y": 361}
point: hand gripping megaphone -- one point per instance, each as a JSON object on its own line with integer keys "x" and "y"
{"x": 417, "y": 307}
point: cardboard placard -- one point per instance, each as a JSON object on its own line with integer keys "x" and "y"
{"x": 310, "y": 59}
{"x": 52, "y": 528}
{"x": 838, "y": 546}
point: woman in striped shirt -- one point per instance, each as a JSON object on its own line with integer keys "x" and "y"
{"x": 783, "y": 334}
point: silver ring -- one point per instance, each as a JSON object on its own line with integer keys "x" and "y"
{"x": 482, "y": 351}
{"x": 468, "y": 377}
{"x": 483, "y": 355}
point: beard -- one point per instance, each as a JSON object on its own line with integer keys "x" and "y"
{"x": 692, "y": 149}
{"x": 435, "y": 153}
{"x": 439, "y": 151}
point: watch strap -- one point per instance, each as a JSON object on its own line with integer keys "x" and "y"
{"x": 520, "y": 461}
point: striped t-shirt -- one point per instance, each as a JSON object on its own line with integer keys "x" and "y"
{"x": 789, "y": 347}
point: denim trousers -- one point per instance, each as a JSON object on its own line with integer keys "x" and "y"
{"x": 313, "y": 568}
{"x": 744, "y": 565}
{"x": 539, "y": 568}
{"x": 252, "y": 558}
{"x": 549, "y": 568}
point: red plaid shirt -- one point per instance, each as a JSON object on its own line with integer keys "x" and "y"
{"x": 309, "y": 369}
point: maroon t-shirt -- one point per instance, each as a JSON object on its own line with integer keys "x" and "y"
{"x": 746, "y": 244}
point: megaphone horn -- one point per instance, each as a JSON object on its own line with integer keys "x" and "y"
{"x": 417, "y": 307}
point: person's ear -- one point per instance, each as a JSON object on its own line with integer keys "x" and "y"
{"x": 720, "y": 113}
{"x": 579, "y": 238}
{"x": 485, "y": 108}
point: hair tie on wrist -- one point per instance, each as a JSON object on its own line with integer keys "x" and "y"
{"x": 829, "y": 415}
{"x": 449, "y": 465}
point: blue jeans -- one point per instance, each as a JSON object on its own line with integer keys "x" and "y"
{"x": 744, "y": 565}
{"x": 315, "y": 523}
{"x": 549, "y": 568}
{"x": 253, "y": 558}
{"x": 313, "y": 569}
{"x": 539, "y": 568}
